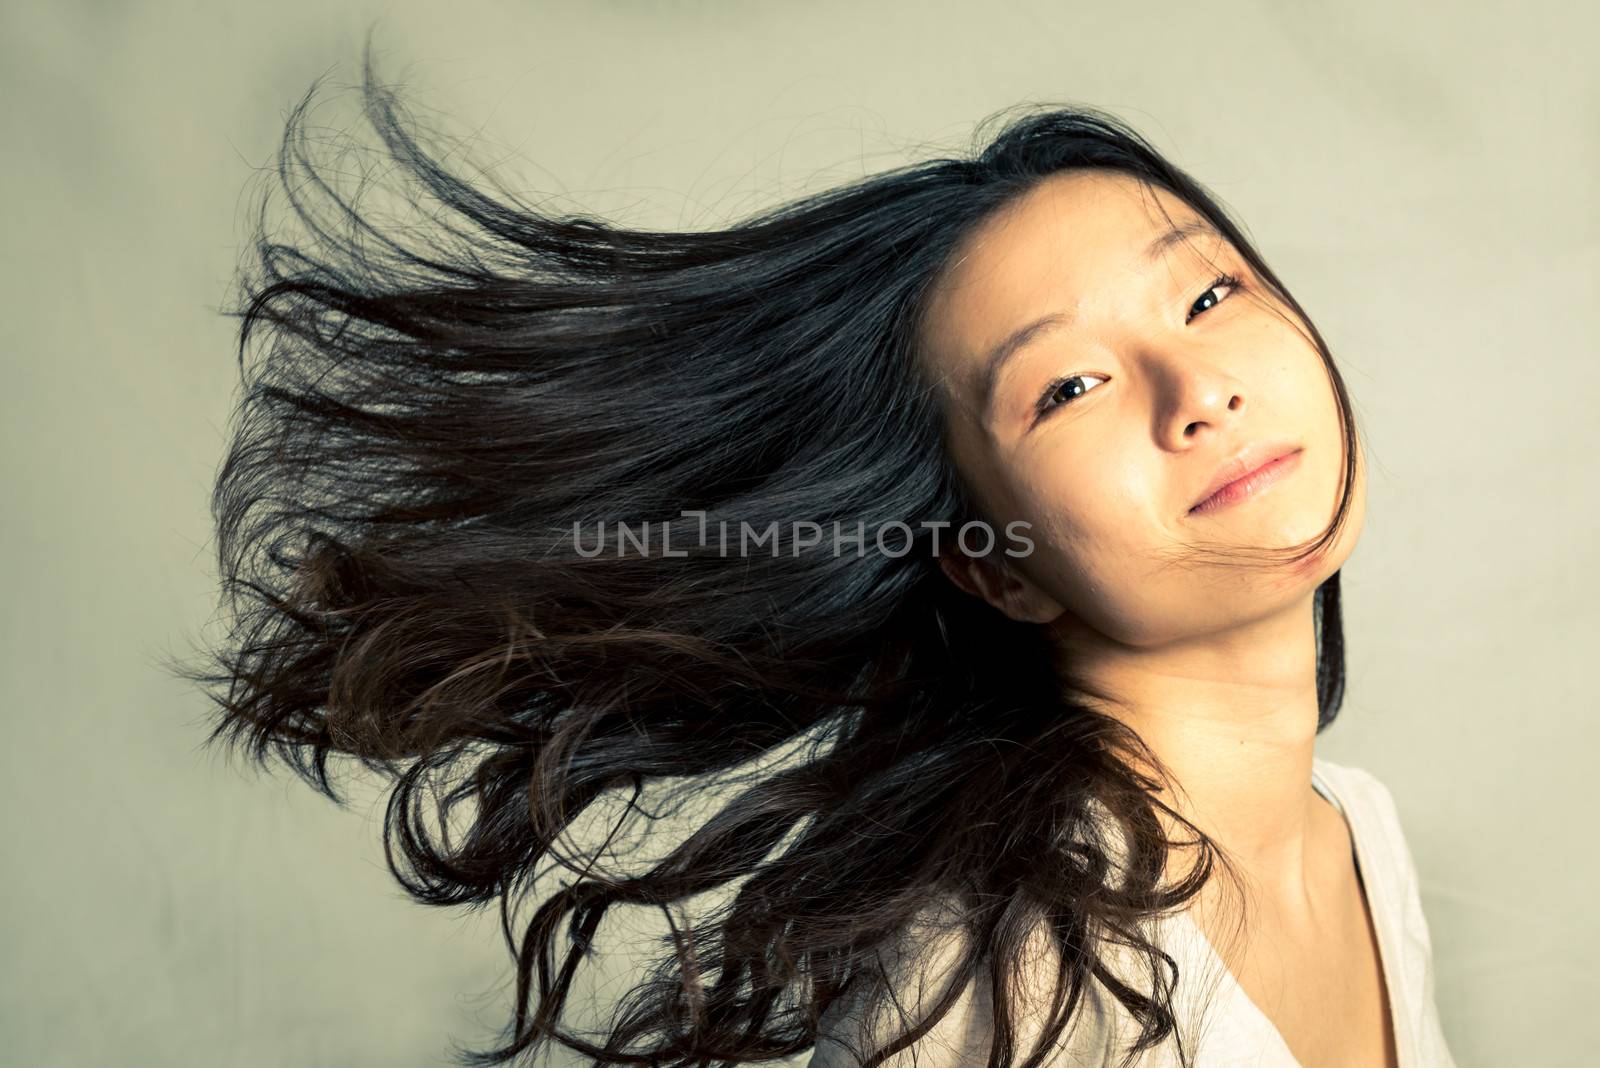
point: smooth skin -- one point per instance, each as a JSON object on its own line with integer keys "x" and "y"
{"x": 1213, "y": 664}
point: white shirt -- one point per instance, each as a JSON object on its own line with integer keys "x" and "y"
{"x": 1233, "y": 1031}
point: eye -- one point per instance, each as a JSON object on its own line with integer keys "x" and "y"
{"x": 1222, "y": 281}
{"x": 1063, "y": 391}
{"x": 1070, "y": 387}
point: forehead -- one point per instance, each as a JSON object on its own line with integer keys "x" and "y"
{"x": 1047, "y": 250}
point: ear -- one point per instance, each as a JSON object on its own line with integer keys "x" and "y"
{"x": 991, "y": 580}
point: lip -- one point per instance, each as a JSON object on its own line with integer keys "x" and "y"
{"x": 1249, "y": 471}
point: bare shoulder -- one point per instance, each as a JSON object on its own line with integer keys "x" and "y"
{"x": 922, "y": 967}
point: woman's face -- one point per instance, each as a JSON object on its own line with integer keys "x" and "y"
{"x": 1105, "y": 428}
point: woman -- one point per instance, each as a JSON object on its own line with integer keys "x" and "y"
{"x": 986, "y": 608}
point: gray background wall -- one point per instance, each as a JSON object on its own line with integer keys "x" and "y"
{"x": 1423, "y": 175}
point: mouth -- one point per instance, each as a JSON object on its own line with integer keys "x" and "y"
{"x": 1249, "y": 484}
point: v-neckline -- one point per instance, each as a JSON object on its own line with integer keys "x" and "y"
{"x": 1387, "y": 961}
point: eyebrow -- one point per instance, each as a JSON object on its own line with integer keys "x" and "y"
{"x": 997, "y": 357}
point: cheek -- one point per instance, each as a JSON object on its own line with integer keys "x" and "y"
{"x": 1318, "y": 415}
{"x": 1295, "y": 378}
{"x": 1095, "y": 496}
{"x": 1093, "y": 521}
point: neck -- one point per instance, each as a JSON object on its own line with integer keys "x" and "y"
{"x": 1233, "y": 717}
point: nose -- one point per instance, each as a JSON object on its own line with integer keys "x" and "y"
{"x": 1195, "y": 399}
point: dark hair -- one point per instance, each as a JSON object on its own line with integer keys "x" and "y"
{"x": 429, "y": 415}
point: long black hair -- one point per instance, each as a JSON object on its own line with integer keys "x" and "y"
{"x": 447, "y": 442}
